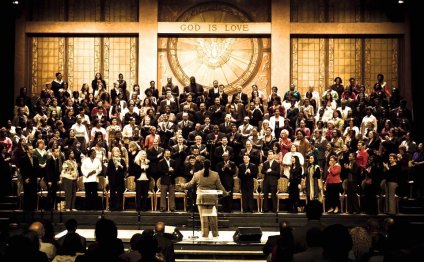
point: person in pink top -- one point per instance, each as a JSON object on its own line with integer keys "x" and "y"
{"x": 332, "y": 184}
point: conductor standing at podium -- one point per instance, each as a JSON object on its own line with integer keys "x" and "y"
{"x": 207, "y": 179}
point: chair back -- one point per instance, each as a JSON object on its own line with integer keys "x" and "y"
{"x": 260, "y": 174}
{"x": 255, "y": 185}
{"x": 130, "y": 183}
{"x": 80, "y": 184}
{"x": 158, "y": 184}
{"x": 102, "y": 183}
{"x": 283, "y": 185}
{"x": 236, "y": 187}
{"x": 152, "y": 184}
{"x": 179, "y": 180}
{"x": 43, "y": 185}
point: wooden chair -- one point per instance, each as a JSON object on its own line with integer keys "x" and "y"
{"x": 256, "y": 194}
{"x": 179, "y": 191}
{"x": 237, "y": 192}
{"x": 282, "y": 190}
{"x": 129, "y": 190}
{"x": 42, "y": 193}
{"x": 157, "y": 194}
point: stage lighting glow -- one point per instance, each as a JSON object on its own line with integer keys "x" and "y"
{"x": 400, "y": 1}
{"x": 15, "y": 2}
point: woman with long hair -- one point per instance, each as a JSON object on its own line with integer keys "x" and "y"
{"x": 142, "y": 180}
{"x": 313, "y": 180}
{"x": 206, "y": 179}
{"x": 296, "y": 173}
{"x": 116, "y": 169}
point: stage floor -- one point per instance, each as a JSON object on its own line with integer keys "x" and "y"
{"x": 225, "y": 236}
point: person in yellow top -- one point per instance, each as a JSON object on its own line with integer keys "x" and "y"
{"x": 207, "y": 179}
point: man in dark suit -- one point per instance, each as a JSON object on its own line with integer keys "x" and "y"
{"x": 200, "y": 146}
{"x": 155, "y": 154}
{"x": 226, "y": 126}
{"x": 29, "y": 167}
{"x": 52, "y": 178}
{"x": 191, "y": 166}
{"x": 213, "y": 92}
{"x": 217, "y": 112}
{"x": 185, "y": 125}
{"x": 196, "y": 90}
{"x": 227, "y": 170}
{"x": 168, "y": 101}
{"x": 165, "y": 245}
{"x": 234, "y": 141}
{"x": 167, "y": 168}
{"x": 271, "y": 170}
{"x": 247, "y": 171}
{"x": 199, "y": 116}
{"x": 179, "y": 153}
{"x": 192, "y": 107}
{"x": 251, "y": 152}
{"x": 175, "y": 91}
{"x": 243, "y": 98}
{"x": 219, "y": 151}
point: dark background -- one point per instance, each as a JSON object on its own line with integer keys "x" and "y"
{"x": 411, "y": 8}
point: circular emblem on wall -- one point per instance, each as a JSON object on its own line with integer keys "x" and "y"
{"x": 232, "y": 61}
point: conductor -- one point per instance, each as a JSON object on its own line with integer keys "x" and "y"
{"x": 207, "y": 179}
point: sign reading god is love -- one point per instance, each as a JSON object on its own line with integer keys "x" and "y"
{"x": 213, "y": 28}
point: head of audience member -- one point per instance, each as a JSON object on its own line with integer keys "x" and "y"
{"x": 38, "y": 228}
{"x": 314, "y": 210}
{"x": 71, "y": 225}
{"x": 135, "y": 241}
{"x": 106, "y": 231}
{"x": 148, "y": 245}
{"x": 336, "y": 243}
{"x": 160, "y": 227}
{"x": 361, "y": 242}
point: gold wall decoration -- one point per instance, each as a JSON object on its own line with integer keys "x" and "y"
{"x": 232, "y": 61}
{"x": 121, "y": 11}
{"x": 133, "y": 77}
{"x": 106, "y": 62}
{"x": 172, "y": 11}
{"x": 83, "y": 65}
{"x": 79, "y": 58}
{"x": 308, "y": 67}
{"x": 45, "y": 61}
{"x": 318, "y": 61}
{"x": 344, "y": 59}
{"x": 70, "y": 62}
{"x": 382, "y": 57}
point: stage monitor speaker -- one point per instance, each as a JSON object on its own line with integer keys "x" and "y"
{"x": 247, "y": 235}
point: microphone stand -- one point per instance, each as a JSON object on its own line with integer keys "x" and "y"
{"x": 103, "y": 198}
{"x": 193, "y": 204}
{"x": 138, "y": 220}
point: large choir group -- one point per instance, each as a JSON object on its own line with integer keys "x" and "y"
{"x": 346, "y": 142}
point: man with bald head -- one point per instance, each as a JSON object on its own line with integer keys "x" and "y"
{"x": 166, "y": 246}
{"x": 47, "y": 248}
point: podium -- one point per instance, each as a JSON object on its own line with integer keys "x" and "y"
{"x": 207, "y": 200}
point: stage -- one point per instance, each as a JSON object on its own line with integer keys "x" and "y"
{"x": 222, "y": 248}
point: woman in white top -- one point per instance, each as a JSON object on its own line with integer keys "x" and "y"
{"x": 287, "y": 161}
{"x": 91, "y": 167}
